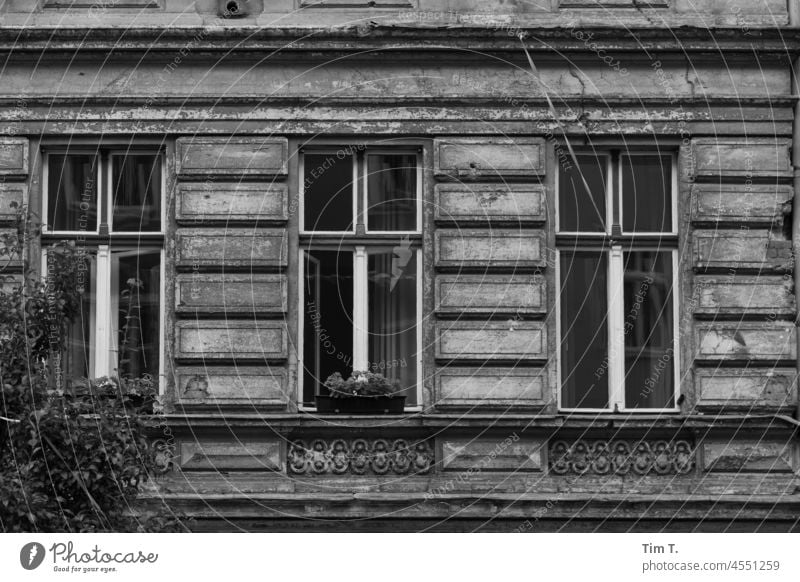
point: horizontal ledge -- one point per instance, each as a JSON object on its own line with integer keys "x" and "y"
{"x": 228, "y": 175}
{"x": 221, "y": 268}
{"x": 489, "y": 270}
{"x": 210, "y": 360}
{"x": 232, "y": 404}
{"x": 490, "y": 314}
{"x": 532, "y": 422}
{"x": 739, "y": 362}
{"x": 229, "y": 314}
{"x": 503, "y": 222}
{"x": 765, "y": 314}
{"x": 719, "y": 178}
{"x": 223, "y": 38}
{"x": 780, "y": 411}
{"x": 767, "y": 223}
{"x": 489, "y": 360}
{"x": 515, "y": 498}
{"x": 731, "y": 268}
{"x": 499, "y": 406}
{"x": 506, "y": 102}
{"x": 233, "y": 221}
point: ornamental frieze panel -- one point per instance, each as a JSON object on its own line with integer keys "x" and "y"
{"x": 620, "y": 457}
{"x": 359, "y": 457}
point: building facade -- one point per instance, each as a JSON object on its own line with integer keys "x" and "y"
{"x": 564, "y": 228}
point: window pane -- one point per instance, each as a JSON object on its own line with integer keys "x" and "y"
{"x": 135, "y": 293}
{"x": 391, "y": 192}
{"x": 584, "y": 331}
{"x": 646, "y": 193}
{"x": 72, "y": 192}
{"x": 579, "y": 210}
{"x": 137, "y": 193}
{"x": 78, "y": 359}
{"x": 649, "y": 334}
{"x": 328, "y": 319}
{"x": 328, "y": 192}
{"x": 393, "y": 317}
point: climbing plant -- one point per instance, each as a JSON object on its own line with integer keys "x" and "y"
{"x": 74, "y": 456}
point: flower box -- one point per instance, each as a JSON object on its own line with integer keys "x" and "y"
{"x": 361, "y": 404}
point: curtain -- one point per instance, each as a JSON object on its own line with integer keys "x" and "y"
{"x": 393, "y": 317}
{"x": 392, "y": 192}
{"x": 649, "y": 355}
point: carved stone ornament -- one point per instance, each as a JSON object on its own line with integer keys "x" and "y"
{"x": 359, "y": 457}
{"x": 196, "y": 387}
{"x": 163, "y": 454}
{"x": 601, "y": 457}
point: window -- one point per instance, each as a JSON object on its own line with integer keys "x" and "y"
{"x": 617, "y": 240}
{"x": 110, "y": 203}
{"x": 361, "y": 266}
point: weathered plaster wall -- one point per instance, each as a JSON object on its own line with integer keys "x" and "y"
{"x": 231, "y": 123}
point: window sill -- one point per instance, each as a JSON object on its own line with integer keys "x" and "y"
{"x": 214, "y": 419}
{"x": 620, "y": 414}
{"x": 312, "y": 411}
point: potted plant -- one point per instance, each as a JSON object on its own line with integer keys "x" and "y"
{"x": 362, "y": 392}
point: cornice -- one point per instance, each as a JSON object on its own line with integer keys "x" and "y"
{"x": 397, "y": 38}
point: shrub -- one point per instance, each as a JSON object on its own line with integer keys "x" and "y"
{"x": 71, "y": 460}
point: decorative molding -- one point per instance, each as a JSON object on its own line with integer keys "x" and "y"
{"x": 359, "y": 457}
{"x": 356, "y": 4}
{"x": 14, "y": 157}
{"x": 163, "y": 454}
{"x": 211, "y": 386}
{"x": 606, "y": 4}
{"x": 620, "y": 457}
{"x": 101, "y": 7}
{"x": 231, "y": 156}
{"x": 470, "y": 158}
{"x": 196, "y": 387}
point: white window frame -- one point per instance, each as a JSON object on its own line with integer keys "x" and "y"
{"x": 365, "y": 195}
{"x": 360, "y": 320}
{"x": 108, "y": 207}
{"x": 102, "y": 326}
{"x": 609, "y": 209}
{"x": 615, "y": 290}
{"x": 674, "y": 202}
{"x": 302, "y": 191}
{"x": 104, "y": 196}
{"x": 46, "y": 229}
{"x": 360, "y": 263}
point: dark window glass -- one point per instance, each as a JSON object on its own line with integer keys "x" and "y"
{"x": 646, "y": 193}
{"x": 72, "y": 192}
{"x": 137, "y": 193}
{"x": 392, "y": 192}
{"x": 649, "y": 333}
{"x": 584, "y": 330}
{"x": 392, "y": 295}
{"x": 579, "y": 210}
{"x": 328, "y": 192}
{"x": 136, "y": 289}
{"x": 328, "y": 319}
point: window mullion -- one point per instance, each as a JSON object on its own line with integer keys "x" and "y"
{"x": 613, "y": 193}
{"x": 104, "y": 314}
{"x": 360, "y": 309}
{"x": 616, "y": 330}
